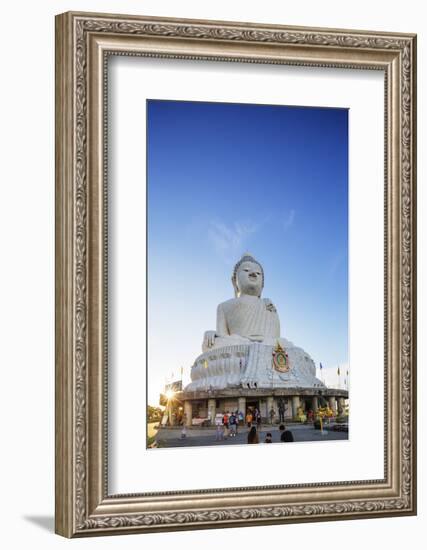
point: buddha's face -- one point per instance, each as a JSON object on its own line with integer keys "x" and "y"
{"x": 249, "y": 279}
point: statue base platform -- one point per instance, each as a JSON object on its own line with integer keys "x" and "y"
{"x": 250, "y": 365}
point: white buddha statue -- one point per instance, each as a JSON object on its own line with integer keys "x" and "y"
{"x": 247, "y": 317}
{"x": 241, "y": 351}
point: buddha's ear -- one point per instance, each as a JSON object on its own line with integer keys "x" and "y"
{"x": 234, "y": 283}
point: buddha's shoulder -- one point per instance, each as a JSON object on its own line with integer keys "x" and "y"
{"x": 228, "y": 304}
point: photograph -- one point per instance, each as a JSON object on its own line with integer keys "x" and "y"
{"x": 247, "y": 292}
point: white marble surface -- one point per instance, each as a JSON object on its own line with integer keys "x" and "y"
{"x": 251, "y": 365}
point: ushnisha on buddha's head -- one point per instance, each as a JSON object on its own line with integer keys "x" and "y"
{"x": 248, "y": 277}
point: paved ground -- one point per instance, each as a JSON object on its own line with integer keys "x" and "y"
{"x": 171, "y": 437}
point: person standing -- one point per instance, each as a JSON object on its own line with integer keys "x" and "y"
{"x": 233, "y": 424}
{"x": 272, "y": 414}
{"x": 253, "y": 435}
{"x": 225, "y": 420}
{"x": 241, "y": 417}
{"x": 281, "y": 411}
{"x": 249, "y": 418}
{"x": 255, "y": 416}
{"x": 219, "y": 428}
{"x": 258, "y": 420}
{"x": 226, "y": 423}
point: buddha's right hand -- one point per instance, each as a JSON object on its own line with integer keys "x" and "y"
{"x": 209, "y": 339}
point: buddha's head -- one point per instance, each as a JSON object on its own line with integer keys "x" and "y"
{"x": 248, "y": 277}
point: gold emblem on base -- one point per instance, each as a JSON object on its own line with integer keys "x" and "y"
{"x": 280, "y": 359}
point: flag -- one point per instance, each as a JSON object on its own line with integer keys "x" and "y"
{"x": 338, "y": 371}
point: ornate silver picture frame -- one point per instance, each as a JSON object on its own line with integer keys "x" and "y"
{"x": 84, "y": 43}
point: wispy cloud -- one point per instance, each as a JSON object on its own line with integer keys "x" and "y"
{"x": 229, "y": 240}
{"x": 289, "y": 221}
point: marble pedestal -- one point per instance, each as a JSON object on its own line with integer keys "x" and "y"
{"x": 251, "y": 366}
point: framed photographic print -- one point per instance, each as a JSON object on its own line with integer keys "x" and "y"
{"x": 235, "y": 274}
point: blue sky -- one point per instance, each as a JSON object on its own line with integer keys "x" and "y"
{"x": 224, "y": 179}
